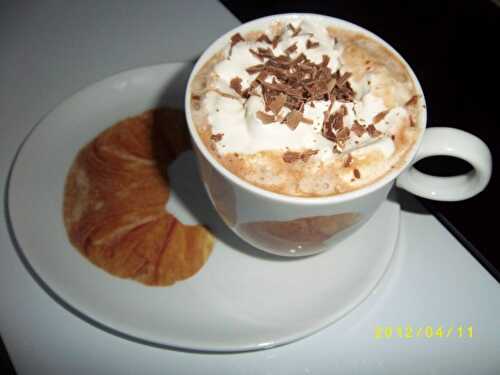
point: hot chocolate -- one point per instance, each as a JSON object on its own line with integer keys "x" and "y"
{"x": 305, "y": 109}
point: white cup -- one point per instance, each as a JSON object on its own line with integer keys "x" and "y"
{"x": 297, "y": 226}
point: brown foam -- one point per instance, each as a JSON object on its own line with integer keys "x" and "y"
{"x": 114, "y": 202}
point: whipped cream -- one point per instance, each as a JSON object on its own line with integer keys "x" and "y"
{"x": 236, "y": 118}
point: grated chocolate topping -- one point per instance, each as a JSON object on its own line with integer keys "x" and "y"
{"x": 372, "y": 131}
{"x": 342, "y": 89}
{"x": 264, "y": 38}
{"x": 334, "y": 129}
{"x": 216, "y": 137}
{"x": 235, "y": 39}
{"x": 310, "y": 44}
{"x": 275, "y": 41}
{"x": 235, "y": 84}
{"x": 256, "y": 54}
{"x": 277, "y": 103}
{"x": 348, "y": 161}
{"x": 290, "y": 156}
{"x": 307, "y": 154}
{"x": 343, "y": 135}
{"x": 295, "y": 82}
{"x": 295, "y": 31}
{"x": 255, "y": 69}
{"x": 380, "y": 116}
{"x": 265, "y": 118}
{"x": 291, "y": 49}
{"x": 301, "y": 80}
{"x": 358, "y": 129}
{"x": 413, "y": 100}
{"x": 196, "y": 101}
{"x": 292, "y": 119}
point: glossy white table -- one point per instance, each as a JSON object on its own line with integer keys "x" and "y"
{"x": 50, "y": 50}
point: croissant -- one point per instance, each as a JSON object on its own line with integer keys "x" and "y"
{"x": 115, "y": 197}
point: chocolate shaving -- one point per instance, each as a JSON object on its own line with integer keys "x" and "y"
{"x": 277, "y": 103}
{"x": 343, "y": 135}
{"x": 261, "y": 77}
{"x": 216, "y": 137}
{"x": 275, "y": 41}
{"x": 306, "y": 155}
{"x": 337, "y": 147}
{"x": 235, "y": 84}
{"x": 256, "y": 54}
{"x": 295, "y": 31}
{"x": 281, "y": 73}
{"x": 246, "y": 93}
{"x": 310, "y": 44}
{"x": 358, "y": 129}
{"x": 255, "y": 68}
{"x": 343, "y": 93}
{"x": 343, "y": 110}
{"x": 265, "y": 118}
{"x": 265, "y": 52}
{"x": 262, "y": 53}
{"x": 357, "y": 174}
{"x": 235, "y": 39}
{"x": 327, "y": 130}
{"x": 299, "y": 59}
{"x": 293, "y": 119}
{"x": 196, "y": 101}
{"x": 334, "y": 129}
{"x": 277, "y": 86}
{"x": 264, "y": 38}
{"x": 372, "y": 131}
{"x": 325, "y": 59}
{"x": 329, "y": 108}
{"x": 281, "y": 61}
{"x": 348, "y": 160}
{"x": 342, "y": 79}
{"x": 413, "y": 100}
{"x": 280, "y": 118}
{"x": 342, "y": 89}
{"x": 290, "y": 156}
{"x": 291, "y": 49}
{"x": 337, "y": 120}
{"x": 380, "y": 116}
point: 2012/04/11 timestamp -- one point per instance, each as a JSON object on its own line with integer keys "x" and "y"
{"x": 428, "y": 331}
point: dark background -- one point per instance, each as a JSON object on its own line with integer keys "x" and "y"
{"x": 451, "y": 47}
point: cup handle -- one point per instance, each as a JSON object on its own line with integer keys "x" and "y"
{"x": 449, "y": 142}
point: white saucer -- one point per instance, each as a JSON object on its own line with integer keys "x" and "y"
{"x": 242, "y": 299}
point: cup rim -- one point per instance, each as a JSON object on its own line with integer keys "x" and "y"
{"x": 321, "y": 200}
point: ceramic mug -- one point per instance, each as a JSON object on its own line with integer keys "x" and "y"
{"x": 297, "y": 226}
